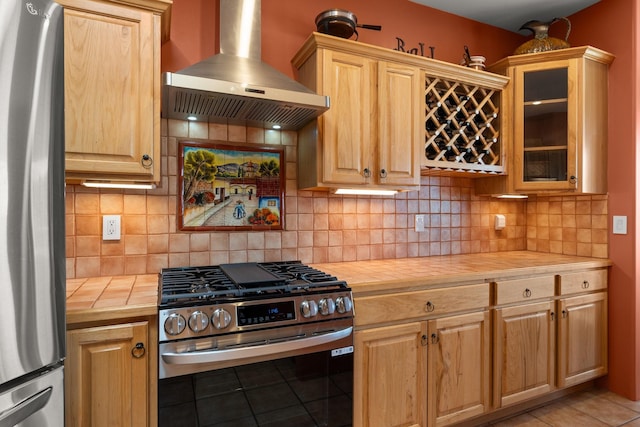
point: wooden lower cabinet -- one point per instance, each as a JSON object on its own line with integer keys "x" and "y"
{"x": 430, "y": 373}
{"x": 390, "y": 376}
{"x": 107, "y": 376}
{"x": 582, "y": 338}
{"x": 459, "y": 354}
{"x": 524, "y": 352}
{"x": 459, "y": 363}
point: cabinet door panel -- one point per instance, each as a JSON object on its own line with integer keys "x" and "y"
{"x": 399, "y": 97}
{"x": 582, "y": 338}
{"x": 111, "y": 117}
{"x": 524, "y": 354}
{"x": 106, "y": 385}
{"x": 458, "y": 368}
{"x": 389, "y": 376}
{"x": 347, "y": 125}
{"x": 546, "y": 123}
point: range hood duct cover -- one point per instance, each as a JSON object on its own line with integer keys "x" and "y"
{"x": 235, "y": 86}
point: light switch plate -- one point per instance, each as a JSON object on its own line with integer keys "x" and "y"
{"x": 619, "y": 224}
{"x": 500, "y": 222}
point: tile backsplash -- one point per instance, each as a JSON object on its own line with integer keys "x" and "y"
{"x": 320, "y": 227}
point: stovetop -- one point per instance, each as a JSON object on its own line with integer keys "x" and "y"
{"x": 240, "y": 282}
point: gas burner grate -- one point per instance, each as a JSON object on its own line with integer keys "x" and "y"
{"x": 295, "y": 270}
{"x": 199, "y": 285}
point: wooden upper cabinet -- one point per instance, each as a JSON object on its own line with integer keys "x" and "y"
{"x": 371, "y": 135}
{"x": 559, "y": 128}
{"x": 398, "y": 160}
{"x": 347, "y": 127}
{"x": 112, "y": 90}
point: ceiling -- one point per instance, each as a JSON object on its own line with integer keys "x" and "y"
{"x": 509, "y": 14}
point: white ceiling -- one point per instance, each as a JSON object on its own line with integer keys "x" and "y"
{"x": 509, "y": 14}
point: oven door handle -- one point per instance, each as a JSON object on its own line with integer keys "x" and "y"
{"x": 209, "y": 356}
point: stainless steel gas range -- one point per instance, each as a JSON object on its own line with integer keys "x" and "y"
{"x": 221, "y": 327}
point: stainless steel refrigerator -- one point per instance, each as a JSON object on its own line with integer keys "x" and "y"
{"x": 32, "y": 237}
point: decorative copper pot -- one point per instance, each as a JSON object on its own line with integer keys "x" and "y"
{"x": 541, "y": 41}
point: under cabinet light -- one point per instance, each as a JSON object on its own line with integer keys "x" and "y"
{"x": 116, "y": 184}
{"x": 365, "y": 192}
{"x": 512, "y": 196}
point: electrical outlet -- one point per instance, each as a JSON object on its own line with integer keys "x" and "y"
{"x": 111, "y": 227}
{"x": 419, "y": 223}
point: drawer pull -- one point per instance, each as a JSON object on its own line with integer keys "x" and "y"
{"x": 366, "y": 173}
{"x": 527, "y": 293}
{"x": 564, "y": 314}
{"x": 138, "y": 351}
{"x": 424, "y": 341}
{"x": 585, "y": 284}
{"x": 553, "y": 315}
{"x": 429, "y": 307}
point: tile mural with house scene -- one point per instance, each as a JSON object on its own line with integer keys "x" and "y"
{"x": 229, "y": 187}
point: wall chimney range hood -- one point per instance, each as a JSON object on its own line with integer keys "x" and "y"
{"x": 235, "y": 86}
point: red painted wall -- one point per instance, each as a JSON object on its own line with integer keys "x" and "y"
{"x": 609, "y": 25}
{"x": 287, "y": 23}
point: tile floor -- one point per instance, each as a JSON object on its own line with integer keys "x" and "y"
{"x": 591, "y": 408}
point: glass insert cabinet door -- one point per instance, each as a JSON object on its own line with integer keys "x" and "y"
{"x": 545, "y": 126}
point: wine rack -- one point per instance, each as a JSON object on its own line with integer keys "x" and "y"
{"x": 462, "y": 126}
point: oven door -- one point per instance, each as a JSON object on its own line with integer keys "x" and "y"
{"x": 294, "y": 376}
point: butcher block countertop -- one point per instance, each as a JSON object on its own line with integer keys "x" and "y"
{"x": 408, "y": 274}
{"x": 97, "y": 299}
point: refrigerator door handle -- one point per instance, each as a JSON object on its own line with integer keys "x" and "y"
{"x": 25, "y": 409}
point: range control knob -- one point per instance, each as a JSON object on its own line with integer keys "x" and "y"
{"x": 220, "y": 318}
{"x": 309, "y": 308}
{"x": 198, "y": 321}
{"x": 327, "y": 306}
{"x": 344, "y": 305}
{"x": 174, "y": 324}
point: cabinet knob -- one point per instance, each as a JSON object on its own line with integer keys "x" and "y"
{"x": 366, "y": 172}
{"x": 434, "y": 339}
{"x": 138, "y": 350}
{"x": 424, "y": 341}
{"x": 146, "y": 161}
{"x": 383, "y": 173}
{"x": 573, "y": 179}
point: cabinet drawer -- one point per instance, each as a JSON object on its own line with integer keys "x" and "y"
{"x": 523, "y": 290}
{"x": 583, "y": 281}
{"x": 420, "y": 304}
